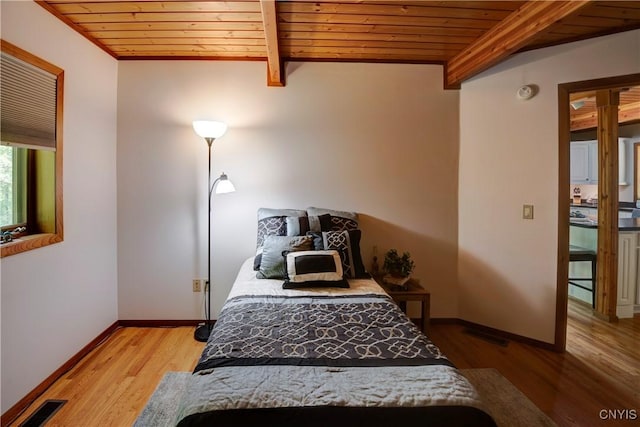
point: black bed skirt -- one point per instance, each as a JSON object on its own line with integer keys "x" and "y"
{"x": 446, "y": 416}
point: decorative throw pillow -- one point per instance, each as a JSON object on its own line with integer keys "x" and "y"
{"x": 347, "y": 244}
{"x": 340, "y": 220}
{"x": 272, "y": 265}
{"x": 271, "y": 222}
{"x": 307, "y": 269}
{"x": 299, "y": 226}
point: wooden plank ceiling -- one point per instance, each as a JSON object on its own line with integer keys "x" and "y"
{"x": 584, "y": 115}
{"x": 465, "y": 36}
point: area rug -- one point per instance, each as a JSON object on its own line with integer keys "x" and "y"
{"x": 508, "y": 406}
{"x": 162, "y": 407}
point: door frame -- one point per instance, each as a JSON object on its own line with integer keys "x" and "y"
{"x": 636, "y": 168}
{"x": 564, "y": 139}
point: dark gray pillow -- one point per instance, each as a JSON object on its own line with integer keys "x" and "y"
{"x": 272, "y": 265}
{"x": 272, "y": 222}
{"x": 298, "y": 226}
{"x": 347, "y": 243}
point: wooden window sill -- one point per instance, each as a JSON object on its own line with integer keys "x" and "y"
{"x": 27, "y": 243}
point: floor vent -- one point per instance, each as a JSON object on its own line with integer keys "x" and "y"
{"x": 43, "y": 413}
{"x": 487, "y": 337}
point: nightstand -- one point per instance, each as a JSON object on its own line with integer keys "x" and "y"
{"x": 414, "y": 292}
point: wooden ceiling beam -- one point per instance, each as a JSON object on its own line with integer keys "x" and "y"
{"x": 275, "y": 70}
{"x": 511, "y": 34}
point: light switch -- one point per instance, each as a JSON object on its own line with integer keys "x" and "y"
{"x": 527, "y": 211}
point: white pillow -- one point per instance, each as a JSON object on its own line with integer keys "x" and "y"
{"x": 314, "y": 269}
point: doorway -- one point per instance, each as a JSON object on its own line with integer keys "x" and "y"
{"x": 636, "y": 171}
{"x": 564, "y": 127}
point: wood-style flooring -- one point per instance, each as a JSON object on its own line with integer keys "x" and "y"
{"x": 600, "y": 371}
{"x": 112, "y": 384}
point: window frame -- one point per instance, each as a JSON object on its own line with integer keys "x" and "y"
{"x": 29, "y": 242}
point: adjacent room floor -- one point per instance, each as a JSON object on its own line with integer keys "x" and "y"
{"x": 599, "y": 371}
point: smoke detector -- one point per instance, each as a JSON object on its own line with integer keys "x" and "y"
{"x": 526, "y": 92}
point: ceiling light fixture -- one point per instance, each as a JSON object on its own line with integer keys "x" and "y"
{"x": 576, "y": 105}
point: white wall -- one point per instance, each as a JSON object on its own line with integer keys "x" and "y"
{"x": 375, "y": 138}
{"x": 509, "y": 157}
{"x": 56, "y": 299}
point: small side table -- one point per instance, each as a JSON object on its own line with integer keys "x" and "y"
{"x": 414, "y": 292}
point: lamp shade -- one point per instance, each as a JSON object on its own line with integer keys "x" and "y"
{"x": 209, "y": 129}
{"x": 224, "y": 185}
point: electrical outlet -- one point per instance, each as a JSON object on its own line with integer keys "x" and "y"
{"x": 197, "y": 285}
{"x": 527, "y": 211}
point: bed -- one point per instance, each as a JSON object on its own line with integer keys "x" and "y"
{"x": 322, "y": 356}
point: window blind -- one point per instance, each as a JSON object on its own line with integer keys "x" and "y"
{"x": 27, "y": 105}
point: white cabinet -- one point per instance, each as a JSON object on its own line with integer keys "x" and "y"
{"x": 624, "y": 214}
{"x": 622, "y": 162}
{"x": 580, "y": 164}
{"x": 627, "y": 273}
{"x": 584, "y": 162}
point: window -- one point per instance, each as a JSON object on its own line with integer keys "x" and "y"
{"x": 13, "y": 175}
{"x": 31, "y": 92}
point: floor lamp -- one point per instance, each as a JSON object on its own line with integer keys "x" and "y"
{"x": 210, "y": 131}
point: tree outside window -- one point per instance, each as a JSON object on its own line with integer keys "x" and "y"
{"x": 6, "y": 184}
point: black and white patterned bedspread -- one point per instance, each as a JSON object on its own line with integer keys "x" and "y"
{"x": 318, "y": 360}
{"x": 367, "y": 330}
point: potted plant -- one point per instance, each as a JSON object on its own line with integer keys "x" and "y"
{"x": 397, "y": 268}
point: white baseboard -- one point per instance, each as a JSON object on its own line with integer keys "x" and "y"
{"x": 625, "y": 311}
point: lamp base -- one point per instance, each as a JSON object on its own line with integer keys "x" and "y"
{"x": 202, "y": 332}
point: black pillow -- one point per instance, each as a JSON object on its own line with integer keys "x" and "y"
{"x": 299, "y": 226}
{"x": 347, "y": 243}
{"x": 306, "y": 269}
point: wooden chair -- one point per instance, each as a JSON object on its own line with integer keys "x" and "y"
{"x": 580, "y": 254}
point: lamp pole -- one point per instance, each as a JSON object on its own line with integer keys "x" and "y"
{"x": 209, "y": 130}
{"x": 202, "y": 332}
{"x": 208, "y": 284}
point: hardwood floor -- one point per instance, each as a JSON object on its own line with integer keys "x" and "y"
{"x": 599, "y": 371}
{"x": 111, "y": 385}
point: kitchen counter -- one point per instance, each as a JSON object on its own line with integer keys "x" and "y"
{"x": 584, "y": 205}
{"x": 623, "y": 206}
{"x": 624, "y": 224}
